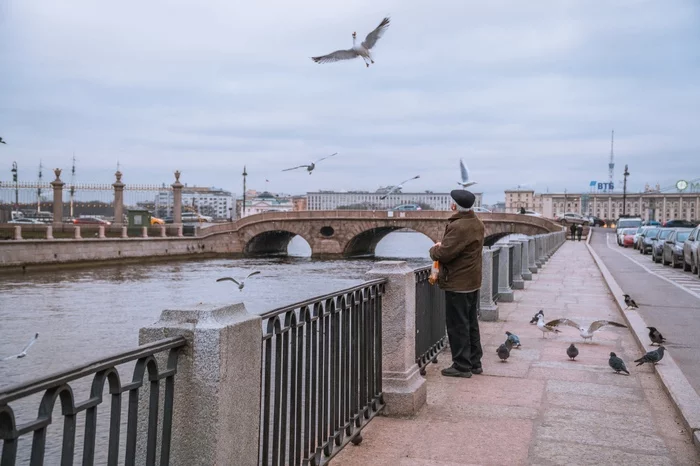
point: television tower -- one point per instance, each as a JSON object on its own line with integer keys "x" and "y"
{"x": 611, "y": 164}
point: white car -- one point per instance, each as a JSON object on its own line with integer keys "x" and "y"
{"x": 31, "y": 221}
{"x": 481, "y": 209}
{"x": 572, "y": 217}
{"x": 533, "y": 213}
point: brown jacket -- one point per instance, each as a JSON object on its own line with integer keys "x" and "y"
{"x": 460, "y": 253}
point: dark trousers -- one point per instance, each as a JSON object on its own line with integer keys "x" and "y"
{"x": 463, "y": 329}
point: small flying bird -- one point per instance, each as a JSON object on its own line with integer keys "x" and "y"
{"x": 399, "y": 186}
{"x": 465, "y": 183}
{"x": 586, "y": 333}
{"x": 536, "y": 317}
{"x": 652, "y": 356}
{"x": 361, "y": 50}
{"x": 548, "y": 327}
{"x": 503, "y": 352}
{"x": 655, "y": 336}
{"x": 513, "y": 338}
{"x": 630, "y": 302}
{"x": 24, "y": 351}
{"x": 617, "y": 364}
{"x": 572, "y": 352}
{"x": 2, "y": 141}
{"x": 240, "y": 283}
{"x": 311, "y": 166}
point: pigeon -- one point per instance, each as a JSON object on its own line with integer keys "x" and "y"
{"x": 513, "y": 338}
{"x": 572, "y": 352}
{"x": 586, "y": 333}
{"x": 545, "y": 327}
{"x": 311, "y": 166}
{"x": 509, "y": 345}
{"x": 399, "y": 186}
{"x": 630, "y": 302}
{"x": 652, "y": 356}
{"x": 655, "y": 336}
{"x": 534, "y": 319}
{"x": 24, "y": 351}
{"x": 361, "y": 50}
{"x": 240, "y": 283}
{"x": 617, "y": 364}
{"x": 2, "y": 141}
{"x": 465, "y": 183}
{"x": 503, "y": 352}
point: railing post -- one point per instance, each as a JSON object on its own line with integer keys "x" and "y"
{"x": 118, "y": 199}
{"x": 76, "y": 233}
{"x": 49, "y": 232}
{"x": 404, "y": 389}
{"x": 518, "y": 283}
{"x": 542, "y": 250}
{"x": 125, "y": 232}
{"x": 177, "y": 200}
{"x": 57, "y": 197}
{"x": 538, "y": 251}
{"x": 531, "y": 263}
{"x": 179, "y": 231}
{"x": 524, "y": 258}
{"x": 18, "y": 233}
{"x": 505, "y": 293}
{"x": 489, "y": 309}
{"x": 101, "y": 231}
{"x": 216, "y": 409}
{"x": 162, "y": 231}
{"x": 144, "y": 232}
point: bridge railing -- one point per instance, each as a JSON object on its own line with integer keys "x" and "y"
{"x": 431, "y": 333}
{"x": 495, "y": 273}
{"x": 61, "y": 387}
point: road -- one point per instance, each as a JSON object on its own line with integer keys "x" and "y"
{"x": 668, "y": 299}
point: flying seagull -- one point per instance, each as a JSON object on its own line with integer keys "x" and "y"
{"x": 241, "y": 283}
{"x": 652, "y": 356}
{"x": 24, "y": 351}
{"x": 513, "y": 338}
{"x": 617, "y": 364}
{"x": 311, "y": 166}
{"x": 465, "y": 183}
{"x": 548, "y": 327}
{"x": 655, "y": 336}
{"x": 536, "y": 317}
{"x": 2, "y": 141}
{"x": 503, "y": 352}
{"x": 572, "y": 352}
{"x": 361, "y": 50}
{"x": 630, "y": 302}
{"x": 586, "y": 333}
{"x": 399, "y": 186}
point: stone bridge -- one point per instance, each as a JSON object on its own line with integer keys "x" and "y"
{"x": 345, "y": 233}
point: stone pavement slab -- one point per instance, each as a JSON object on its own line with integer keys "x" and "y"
{"x": 539, "y": 407}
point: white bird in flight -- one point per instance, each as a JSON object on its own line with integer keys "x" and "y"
{"x": 361, "y": 50}
{"x": 240, "y": 283}
{"x": 399, "y": 186}
{"x": 465, "y": 175}
{"x": 586, "y": 333}
{"x": 311, "y": 166}
{"x": 548, "y": 327}
{"x": 24, "y": 351}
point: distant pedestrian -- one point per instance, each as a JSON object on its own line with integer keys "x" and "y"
{"x": 573, "y": 232}
{"x": 522, "y": 210}
{"x": 579, "y": 231}
{"x": 460, "y": 256}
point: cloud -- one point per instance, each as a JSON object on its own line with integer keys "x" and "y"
{"x": 523, "y": 92}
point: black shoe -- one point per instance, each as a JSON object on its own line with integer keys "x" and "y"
{"x": 478, "y": 371}
{"x": 454, "y": 372}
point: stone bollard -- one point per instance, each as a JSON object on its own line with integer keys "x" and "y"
{"x": 531, "y": 264}
{"x": 101, "y": 232}
{"x": 488, "y": 309}
{"x": 162, "y": 231}
{"x": 125, "y": 232}
{"x": 179, "y": 231}
{"x": 18, "y": 233}
{"x": 505, "y": 293}
{"x": 144, "y": 232}
{"x": 518, "y": 283}
{"x": 524, "y": 258}
{"x": 76, "y": 233}
{"x": 541, "y": 251}
{"x": 49, "y": 232}
{"x": 216, "y": 410}
{"x": 404, "y": 389}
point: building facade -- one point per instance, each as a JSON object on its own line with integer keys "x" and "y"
{"x": 517, "y": 199}
{"x": 365, "y": 200}
{"x": 212, "y": 202}
{"x": 264, "y": 202}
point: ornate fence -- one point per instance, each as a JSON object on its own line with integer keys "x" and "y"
{"x": 321, "y": 375}
{"x": 431, "y": 333}
{"x": 511, "y": 258}
{"x": 494, "y": 273}
{"x": 58, "y": 387}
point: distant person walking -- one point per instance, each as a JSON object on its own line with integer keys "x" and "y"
{"x": 573, "y": 232}
{"x": 579, "y": 231}
{"x": 522, "y": 210}
{"x": 460, "y": 255}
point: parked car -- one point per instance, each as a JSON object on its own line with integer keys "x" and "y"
{"x": 409, "y": 207}
{"x": 690, "y": 251}
{"x": 680, "y": 224}
{"x": 672, "y": 252}
{"x": 646, "y": 240}
{"x": 657, "y": 243}
{"x": 652, "y": 223}
{"x": 90, "y": 221}
{"x": 628, "y": 236}
{"x": 626, "y": 222}
{"x": 532, "y": 213}
{"x": 571, "y": 217}
{"x": 638, "y": 235}
{"x": 596, "y": 221}
{"x": 25, "y": 221}
{"x": 157, "y": 221}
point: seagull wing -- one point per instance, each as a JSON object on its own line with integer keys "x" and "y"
{"x": 568, "y": 322}
{"x": 406, "y": 181}
{"x": 374, "y": 36}
{"x": 228, "y": 279}
{"x": 599, "y": 323}
{"x": 324, "y": 158}
{"x": 31, "y": 342}
{"x": 464, "y": 170}
{"x": 254, "y": 273}
{"x": 294, "y": 168}
{"x": 336, "y": 56}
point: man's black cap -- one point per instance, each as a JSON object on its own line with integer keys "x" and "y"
{"x": 463, "y": 198}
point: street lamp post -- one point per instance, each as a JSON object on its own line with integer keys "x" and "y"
{"x": 15, "y": 179}
{"x": 243, "y": 205}
{"x": 624, "y": 191}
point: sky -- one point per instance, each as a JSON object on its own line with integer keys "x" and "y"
{"x": 527, "y": 93}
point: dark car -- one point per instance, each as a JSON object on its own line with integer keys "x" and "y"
{"x": 657, "y": 243}
{"x": 596, "y": 221}
{"x": 679, "y": 224}
{"x": 646, "y": 240}
{"x": 690, "y": 251}
{"x": 672, "y": 252}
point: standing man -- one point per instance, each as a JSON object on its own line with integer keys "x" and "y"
{"x": 579, "y": 231}
{"x": 573, "y": 232}
{"x": 460, "y": 254}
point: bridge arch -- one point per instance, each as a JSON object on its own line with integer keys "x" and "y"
{"x": 270, "y": 243}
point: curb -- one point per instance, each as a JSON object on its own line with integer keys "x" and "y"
{"x": 676, "y": 385}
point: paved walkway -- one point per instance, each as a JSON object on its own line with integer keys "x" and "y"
{"x": 539, "y": 407}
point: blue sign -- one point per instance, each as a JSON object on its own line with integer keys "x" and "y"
{"x": 593, "y": 183}
{"x": 606, "y": 186}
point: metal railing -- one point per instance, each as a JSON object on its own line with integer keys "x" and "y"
{"x": 511, "y": 255}
{"x": 57, "y": 386}
{"x": 494, "y": 273}
{"x": 431, "y": 333}
{"x": 321, "y": 374}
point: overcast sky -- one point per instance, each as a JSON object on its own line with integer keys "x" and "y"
{"x": 525, "y": 92}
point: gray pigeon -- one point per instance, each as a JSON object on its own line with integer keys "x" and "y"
{"x": 513, "y": 338}
{"x": 572, "y": 352}
{"x": 617, "y": 364}
{"x": 509, "y": 344}
{"x": 503, "y": 352}
{"x": 652, "y": 356}
{"x": 655, "y": 336}
{"x": 536, "y": 317}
